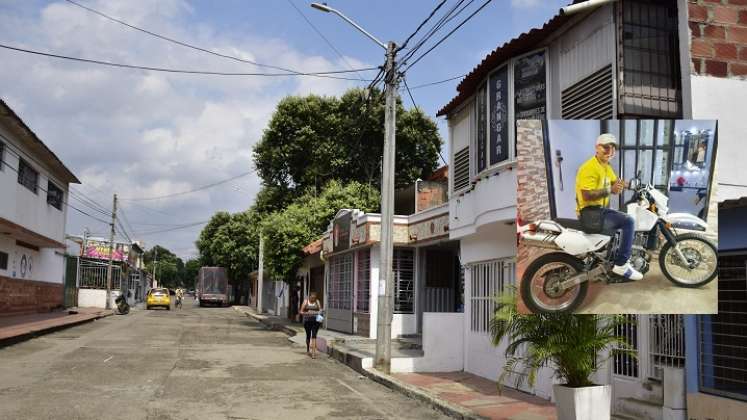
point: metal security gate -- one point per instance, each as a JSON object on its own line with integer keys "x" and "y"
{"x": 92, "y": 275}
{"x": 71, "y": 280}
{"x": 340, "y": 293}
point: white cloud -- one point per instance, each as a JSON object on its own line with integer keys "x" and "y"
{"x": 143, "y": 134}
{"x": 525, "y": 4}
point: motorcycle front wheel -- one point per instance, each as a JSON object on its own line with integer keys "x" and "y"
{"x": 699, "y": 251}
{"x": 540, "y": 284}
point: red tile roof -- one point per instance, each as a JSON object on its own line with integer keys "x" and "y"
{"x": 314, "y": 247}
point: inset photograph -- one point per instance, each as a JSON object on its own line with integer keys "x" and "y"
{"x": 617, "y": 216}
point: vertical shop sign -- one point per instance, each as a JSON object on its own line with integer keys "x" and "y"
{"x": 482, "y": 125}
{"x": 530, "y": 87}
{"x": 498, "y": 94}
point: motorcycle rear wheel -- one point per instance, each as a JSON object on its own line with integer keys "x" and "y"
{"x": 571, "y": 265}
{"x": 668, "y": 259}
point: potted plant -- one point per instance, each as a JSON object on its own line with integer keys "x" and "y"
{"x": 571, "y": 345}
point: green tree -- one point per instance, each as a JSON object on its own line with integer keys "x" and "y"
{"x": 314, "y": 139}
{"x": 288, "y": 231}
{"x": 169, "y": 268}
{"x": 231, "y": 241}
{"x": 191, "y": 268}
{"x": 205, "y": 242}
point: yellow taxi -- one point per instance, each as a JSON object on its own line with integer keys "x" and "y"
{"x": 158, "y": 297}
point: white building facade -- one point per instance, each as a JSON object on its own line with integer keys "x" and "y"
{"x": 34, "y": 185}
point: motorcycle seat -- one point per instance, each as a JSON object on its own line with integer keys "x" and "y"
{"x": 569, "y": 223}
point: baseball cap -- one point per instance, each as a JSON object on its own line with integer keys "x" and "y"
{"x": 607, "y": 138}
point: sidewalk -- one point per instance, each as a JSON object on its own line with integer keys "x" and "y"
{"x": 460, "y": 395}
{"x": 16, "y": 328}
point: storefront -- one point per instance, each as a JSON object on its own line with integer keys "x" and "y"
{"x": 425, "y": 265}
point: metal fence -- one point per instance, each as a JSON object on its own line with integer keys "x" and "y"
{"x": 666, "y": 343}
{"x": 625, "y": 363}
{"x": 487, "y": 280}
{"x": 93, "y": 275}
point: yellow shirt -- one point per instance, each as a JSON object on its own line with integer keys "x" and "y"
{"x": 593, "y": 175}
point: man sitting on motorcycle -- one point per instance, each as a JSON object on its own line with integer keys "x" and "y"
{"x": 595, "y": 183}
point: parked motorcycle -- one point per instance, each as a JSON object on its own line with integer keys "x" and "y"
{"x": 123, "y": 308}
{"x": 557, "y": 282}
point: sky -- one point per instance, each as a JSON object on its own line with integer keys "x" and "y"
{"x": 144, "y": 134}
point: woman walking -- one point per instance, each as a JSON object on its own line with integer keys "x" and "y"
{"x": 311, "y": 311}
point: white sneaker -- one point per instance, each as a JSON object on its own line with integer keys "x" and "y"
{"x": 627, "y": 271}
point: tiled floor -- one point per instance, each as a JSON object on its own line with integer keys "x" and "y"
{"x": 481, "y": 396}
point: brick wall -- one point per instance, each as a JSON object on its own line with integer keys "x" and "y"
{"x": 718, "y": 34}
{"x": 27, "y": 296}
{"x": 532, "y": 198}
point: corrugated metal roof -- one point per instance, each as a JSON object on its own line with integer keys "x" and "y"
{"x": 523, "y": 43}
{"x": 56, "y": 163}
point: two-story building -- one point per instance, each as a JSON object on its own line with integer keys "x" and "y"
{"x": 657, "y": 59}
{"x": 34, "y": 189}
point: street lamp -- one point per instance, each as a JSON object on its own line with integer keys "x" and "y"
{"x": 386, "y": 275}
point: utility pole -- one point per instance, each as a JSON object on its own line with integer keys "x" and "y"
{"x": 111, "y": 256}
{"x": 382, "y": 360}
{"x": 260, "y": 272}
{"x": 155, "y": 266}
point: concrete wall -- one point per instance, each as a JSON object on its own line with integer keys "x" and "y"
{"x": 24, "y": 207}
{"x": 443, "y": 345}
{"x": 95, "y": 298}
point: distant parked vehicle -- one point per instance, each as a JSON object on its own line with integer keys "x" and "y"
{"x": 212, "y": 286}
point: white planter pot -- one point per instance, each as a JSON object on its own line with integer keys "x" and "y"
{"x": 586, "y": 403}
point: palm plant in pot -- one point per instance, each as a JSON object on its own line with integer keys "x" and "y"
{"x": 570, "y": 345}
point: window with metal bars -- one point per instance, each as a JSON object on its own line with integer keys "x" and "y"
{"x": 625, "y": 363}
{"x": 648, "y": 59}
{"x": 364, "y": 281}
{"x": 461, "y": 169}
{"x": 666, "y": 343}
{"x": 27, "y": 176}
{"x": 591, "y": 98}
{"x": 487, "y": 280}
{"x": 3, "y": 261}
{"x": 341, "y": 282}
{"x": 54, "y": 195}
{"x": 2, "y": 155}
{"x": 403, "y": 265}
{"x": 723, "y": 337}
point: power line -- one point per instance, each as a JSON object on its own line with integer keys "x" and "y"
{"x": 7, "y": 165}
{"x": 438, "y": 82}
{"x": 322, "y": 36}
{"x": 174, "y": 228}
{"x": 432, "y": 31}
{"x": 182, "y": 71}
{"x": 404, "y": 80}
{"x": 433, "y": 12}
{"x": 448, "y": 35}
{"x": 204, "y": 187}
{"x": 194, "y": 47}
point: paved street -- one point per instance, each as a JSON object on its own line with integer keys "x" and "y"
{"x": 198, "y": 363}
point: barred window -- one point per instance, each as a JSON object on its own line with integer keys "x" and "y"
{"x": 487, "y": 280}
{"x": 404, "y": 280}
{"x": 2, "y": 155}
{"x": 625, "y": 363}
{"x": 723, "y": 337}
{"x": 3, "y": 261}
{"x": 364, "y": 281}
{"x": 341, "y": 282}
{"x": 27, "y": 176}
{"x": 54, "y": 196}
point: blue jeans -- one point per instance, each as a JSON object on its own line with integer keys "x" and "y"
{"x": 613, "y": 221}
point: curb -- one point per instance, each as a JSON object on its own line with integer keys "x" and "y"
{"x": 9, "y": 341}
{"x": 354, "y": 361}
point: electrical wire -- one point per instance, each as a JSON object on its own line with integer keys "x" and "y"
{"x": 194, "y": 47}
{"x": 339, "y": 54}
{"x": 433, "y": 12}
{"x": 204, "y": 187}
{"x": 39, "y": 187}
{"x": 430, "y": 33}
{"x": 404, "y": 80}
{"x": 438, "y": 82}
{"x": 448, "y": 35}
{"x": 182, "y": 71}
{"x": 173, "y": 229}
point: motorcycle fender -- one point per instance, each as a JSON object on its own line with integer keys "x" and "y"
{"x": 579, "y": 243}
{"x": 684, "y": 220}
